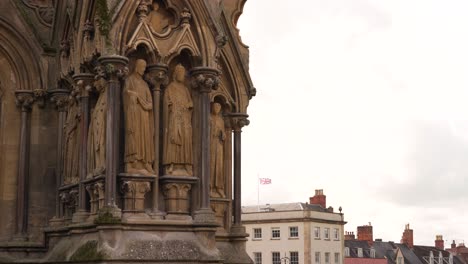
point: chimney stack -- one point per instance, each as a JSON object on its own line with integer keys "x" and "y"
{"x": 439, "y": 242}
{"x": 407, "y": 237}
{"x": 319, "y": 199}
{"x": 349, "y": 236}
{"x": 365, "y": 233}
{"x": 453, "y": 245}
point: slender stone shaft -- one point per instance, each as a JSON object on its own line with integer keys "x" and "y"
{"x": 60, "y": 98}
{"x": 115, "y": 68}
{"x": 83, "y": 80}
{"x": 158, "y": 76}
{"x": 24, "y": 99}
{"x": 240, "y": 120}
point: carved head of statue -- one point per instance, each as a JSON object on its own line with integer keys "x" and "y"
{"x": 216, "y": 108}
{"x": 140, "y": 67}
{"x": 155, "y": 6}
{"x": 179, "y": 73}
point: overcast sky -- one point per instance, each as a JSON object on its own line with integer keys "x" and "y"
{"x": 368, "y": 100}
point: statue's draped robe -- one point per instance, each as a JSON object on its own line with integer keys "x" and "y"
{"x": 71, "y": 151}
{"x": 97, "y": 135}
{"x": 177, "y": 120}
{"x": 218, "y": 136}
{"x": 139, "y": 122}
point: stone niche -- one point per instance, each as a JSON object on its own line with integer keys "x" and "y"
{"x": 121, "y": 142}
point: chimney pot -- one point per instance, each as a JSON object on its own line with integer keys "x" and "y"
{"x": 439, "y": 242}
{"x": 319, "y": 199}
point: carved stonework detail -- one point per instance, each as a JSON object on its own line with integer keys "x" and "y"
{"x": 205, "y": 79}
{"x": 134, "y": 195}
{"x": 238, "y": 121}
{"x": 218, "y": 137}
{"x": 99, "y": 193}
{"x": 177, "y": 198}
{"x": 159, "y": 19}
{"x": 44, "y": 10}
{"x": 185, "y": 15}
{"x": 139, "y": 124}
{"x": 60, "y": 98}
{"x": 157, "y": 76}
{"x": 71, "y": 136}
{"x": 112, "y": 69}
{"x": 177, "y": 126}
{"x": 24, "y": 100}
{"x": 69, "y": 201}
{"x": 143, "y": 10}
{"x": 219, "y": 208}
{"x": 88, "y": 45}
{"x": 93, "y": 199}
{"x": 40, "y": 96}
{"x": 97, "y": 132}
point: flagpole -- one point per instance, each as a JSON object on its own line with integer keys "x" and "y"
{"x": 258, "y": 192}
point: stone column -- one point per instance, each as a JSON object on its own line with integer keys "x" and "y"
{"x": 204, "y": 80}
{"x": 24, "y": 100}
{"x": 60, "y": 98}
{"x": 157, "y": 77}
{"x": 84, "y": 82}
{"x": 114, "y": 69}
{"x": 239, "y": 120}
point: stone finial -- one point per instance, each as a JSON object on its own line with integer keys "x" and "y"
{"x": 143, "y": 10}
{"x": 24, "y": 99}
{"x": 65, "y": 48}
{"x": 88, "y": 29}
{"x": 185, "y": 15}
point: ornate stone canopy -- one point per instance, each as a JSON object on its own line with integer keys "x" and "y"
{"x": 120, "y": 131}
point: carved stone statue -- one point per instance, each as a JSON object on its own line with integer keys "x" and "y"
{"x": 71, "y": 151}
{"x": 177, "y": 121}
{"x": 139, "y": 123}
{"x": 97, "y": 132}
{"x": 218, "y": 136}
{"x": 158, "y": 18}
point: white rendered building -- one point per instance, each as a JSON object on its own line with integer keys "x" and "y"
{"x": 295, "y": 233}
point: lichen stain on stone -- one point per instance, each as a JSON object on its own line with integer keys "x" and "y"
{"x": 88, "y": 252}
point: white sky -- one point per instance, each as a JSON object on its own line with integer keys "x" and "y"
{"x": 366, "y": 99}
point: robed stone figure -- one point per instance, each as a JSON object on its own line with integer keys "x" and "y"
{"x": 177, "y": 123}
{"x": 97, "y": 132}
{"x": 71, "y": 150}
{"x": 218, "y": 136}
{"x": 139, "y": 123}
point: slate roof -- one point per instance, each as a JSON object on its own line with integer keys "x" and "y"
{"x": 415, "y": 255}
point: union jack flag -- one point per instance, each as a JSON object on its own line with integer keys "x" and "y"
{"x": 265, "y": 181}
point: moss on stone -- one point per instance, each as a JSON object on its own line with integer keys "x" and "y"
{"x": 106, "y": 217}
{"x": 88, "y": 252}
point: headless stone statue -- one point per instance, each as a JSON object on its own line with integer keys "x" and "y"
{"x": 71, "y": 129}
{"x": 139, "y": 123}
{"x": 177, "y": 121}
{"x": 218, "y": 136}
{"x": 97, "y": 132}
